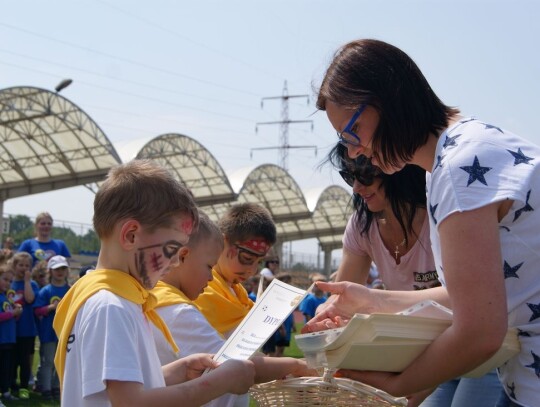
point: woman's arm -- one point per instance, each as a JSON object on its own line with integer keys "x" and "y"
{"x": 353, "y": 268}
{"x": 472, "y": 262}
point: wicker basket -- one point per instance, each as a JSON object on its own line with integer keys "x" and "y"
{"x": 314, "y": 391}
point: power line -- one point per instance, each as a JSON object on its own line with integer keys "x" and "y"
{"x": 284, "y": 127}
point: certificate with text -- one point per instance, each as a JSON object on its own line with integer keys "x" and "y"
{"x": 271, "y": 309}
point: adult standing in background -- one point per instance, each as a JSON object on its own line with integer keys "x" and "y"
{"x": 271, "y": 267}
{"x": 43, "y": 246}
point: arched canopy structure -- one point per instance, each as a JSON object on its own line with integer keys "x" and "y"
{"x": 274, "y": 188}
{"x": 329, "y": 218}
{"x": 192, "y": 164}
{"x": 48, "y": 143}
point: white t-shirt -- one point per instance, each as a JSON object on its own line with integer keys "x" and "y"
{"x": 112, "y": 341}
{"x": 477, "y": 164}
{"x": 267, "y": 273}
{"x": 193, "y": 334}
{"x": 416, "y": 269}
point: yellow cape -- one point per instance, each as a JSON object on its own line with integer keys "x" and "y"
{"x": 115, "y": 281}
{"x": 221, "y": 307}
{"x": 167, "y": 294}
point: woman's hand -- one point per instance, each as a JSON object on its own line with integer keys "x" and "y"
{"x": 346, "y": 300}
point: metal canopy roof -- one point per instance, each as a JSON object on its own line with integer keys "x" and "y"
{"x": 276, "y": 190}
{"x": 48, "y": 143}
{"x": 192, "y": 164}
{"x": 329, "y": 218}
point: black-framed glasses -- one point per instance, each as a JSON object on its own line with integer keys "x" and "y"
{"x": 348, "y": 136}
{"x": 273, "y": 261}
{"x": 246, "y": 257}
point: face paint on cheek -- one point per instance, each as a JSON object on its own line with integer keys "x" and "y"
{"x": 187, "y": 226}
{"x": 140, "y": 265}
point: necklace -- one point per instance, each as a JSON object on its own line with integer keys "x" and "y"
{"x": 396, "y": 252}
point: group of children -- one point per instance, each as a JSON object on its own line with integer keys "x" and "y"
{"x": 28, "y": 302}
{"x": 167, "y": 290}
{"x": 142, "y": 327}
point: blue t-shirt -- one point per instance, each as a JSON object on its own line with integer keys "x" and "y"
{"x": 288, "y": 324}
{"x": 26, "y": 324}
{"x": 48, "y": 295}
{"x": 310, "y": 303}
{"x": 44, "y": 251}
{"x": 7, "y": 328}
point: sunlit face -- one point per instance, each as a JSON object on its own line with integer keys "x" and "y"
{"x": 5, "y": 282}
{"x": 237, "y": 264}
{"x": 365, "y": 127}
{"x": 44, "y": 226}
{"x": 59, "y": 275}
{"x": 196, "y": 269}
{"x": 372, "y": 195}
{"x": 158, "y": 252}
{"x": 21, "y": 267}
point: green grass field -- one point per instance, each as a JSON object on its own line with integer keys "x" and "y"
{"x": 36, "y": 401}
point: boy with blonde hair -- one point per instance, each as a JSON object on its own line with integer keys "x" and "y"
{"x": 106, "y": 352}
{"x": 189, "y": 328}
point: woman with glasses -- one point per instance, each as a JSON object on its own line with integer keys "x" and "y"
{"x": 390, "y": 227}
{"x": 483, "y": 196}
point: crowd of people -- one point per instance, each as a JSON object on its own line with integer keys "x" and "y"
{"x": 170, "y": 286}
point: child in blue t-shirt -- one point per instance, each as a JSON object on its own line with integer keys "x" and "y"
{"x": 45, "y": 309}
{"x": 25, "y": 292}
{"x": 310, "y": 303}
{"x": 283, "y": 334}
{"x": 9, "y": 312}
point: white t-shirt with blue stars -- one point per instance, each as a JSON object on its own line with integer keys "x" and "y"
{"x": 477, "y": 164}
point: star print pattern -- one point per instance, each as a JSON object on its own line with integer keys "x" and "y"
{"x": 511, "y": 388}
{"x": 489, "y": 126}
{"x": 450, "y": 141}
{"x": 526, "y": 208}
{"x": 519, "y": 157}
{"x": 535, "y": 365}
{"x": 499, "y": 166}
{"x": 510, "y": 271}
{"x": 535, "y": 308}
{"x": 432, "y": 210}
{"x": 476, "y": 172}
{"x": 439, "y": 162}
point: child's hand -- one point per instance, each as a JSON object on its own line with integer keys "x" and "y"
{"x": 240, "y": 375}
{"x": 303, "y": 370}
{"x": 27, "y": 276}
{"x": 197, "y": 363}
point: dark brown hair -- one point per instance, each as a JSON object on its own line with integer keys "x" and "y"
{"x": 380, "y": 75}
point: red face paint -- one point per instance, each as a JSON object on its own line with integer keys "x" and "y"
{"x": 187, "y": 226}
{"x": 258, "y": 246}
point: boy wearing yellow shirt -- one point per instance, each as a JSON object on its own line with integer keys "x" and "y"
{"x": 106, "y": 353}
{"x": 248, "y": 232}
{"x": 190, "y": 329}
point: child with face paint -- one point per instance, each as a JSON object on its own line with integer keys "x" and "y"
{"x": 106, "y": 352}
{"x": 189, "y": 328}
{"x": 249, "y": 232}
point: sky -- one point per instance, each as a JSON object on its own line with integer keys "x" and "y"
{"x": 202, "y": 68}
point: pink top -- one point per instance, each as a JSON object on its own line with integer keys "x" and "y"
{"x": 416, "y": 270}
